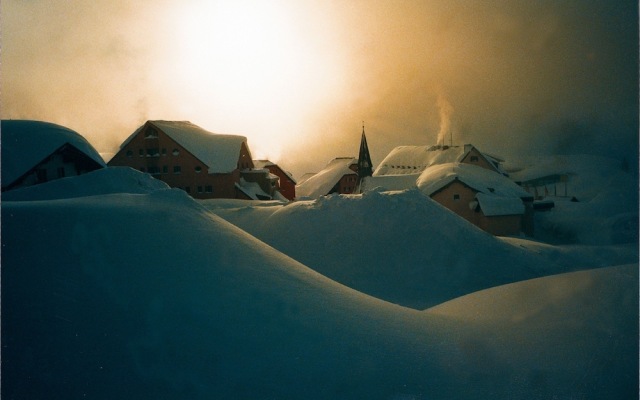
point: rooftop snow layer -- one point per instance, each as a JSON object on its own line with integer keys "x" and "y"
{"x": 493, "y": 205}
{"x": 321, "y": 183}
{"x": 479, "y": 179}
{"x": 219, "y": 152}
{"x": 26, "y": 143}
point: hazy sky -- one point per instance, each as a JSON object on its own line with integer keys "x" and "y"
{"x": 298, "y": 77}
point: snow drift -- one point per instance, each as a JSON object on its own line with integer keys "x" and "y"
{"x": 150, "y": 296}
{"x": 398, "y": 246}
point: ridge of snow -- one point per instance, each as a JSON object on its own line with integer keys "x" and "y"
{"x": 25, "y": 143}
{"x": 119, "y": 313}
{"x": 102, "y": 181}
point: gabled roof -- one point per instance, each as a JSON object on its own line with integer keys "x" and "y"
{"x": 26, "y": 143}
{"x": 218, "y": 152}
{"x": 479, "y": 179}
{"x": 321, "y": 183}
{"x": 261, "y": 164}
{"x": 414, "y": 159}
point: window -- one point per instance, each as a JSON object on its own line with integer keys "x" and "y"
{"x": 175, "y": 152}
{"x": 165, "y": 169}
{"x": 199, "y": 189}
{"x": 143, "y": 169}
{"x": 164, "y": 152}
{"x": 140, "y": 153}
{"x": 456, "y": 197}
{"x": 474, "y": 158}
{"x": 208, "y": 189}
{"x": 198, "y": 169}
{"x": 187, "y": 189}
{"x": 129, "y": 153}
{"x": 154, "y": 170}
{"x": 177, "y": 169}
{"x": 151, "y": 134}
{"x": 60, "y": 172}
{"x": 153, "y": 152}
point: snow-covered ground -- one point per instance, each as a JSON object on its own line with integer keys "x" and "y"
{"x": 114, "y": 286}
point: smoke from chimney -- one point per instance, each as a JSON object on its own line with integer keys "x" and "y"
{"x": 446, "y": 110}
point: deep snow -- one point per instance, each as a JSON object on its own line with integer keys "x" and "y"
{"x": 145, "y": 293}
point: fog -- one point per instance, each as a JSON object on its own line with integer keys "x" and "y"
{"x": 299, "y": 78}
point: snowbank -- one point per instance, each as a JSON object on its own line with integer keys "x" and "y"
{"x": 102, "y": 181}
{"x": 150, "y": 296}
{"x": 398, "y": 246}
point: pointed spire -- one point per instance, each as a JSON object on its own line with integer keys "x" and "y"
{"x": 365, "y": 167}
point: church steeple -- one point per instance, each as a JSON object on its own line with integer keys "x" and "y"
{"x": 365, "y": 167}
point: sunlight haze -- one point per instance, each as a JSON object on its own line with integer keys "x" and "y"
{"x": 298, "y": 78}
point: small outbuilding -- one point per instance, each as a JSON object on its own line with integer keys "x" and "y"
{"x": 286, "y": 184}
{"x": 488, "y": 200}
{"x": 35, "y": 152}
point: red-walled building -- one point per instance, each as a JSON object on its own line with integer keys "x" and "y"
{"x": 204, "y": 164}
{"x": 286, "y": 183}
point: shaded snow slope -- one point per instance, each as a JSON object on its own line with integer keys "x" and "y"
{"x": 150, "y": 296}
{"x": 399, "y": 246}
{"x": 102, "y": 181}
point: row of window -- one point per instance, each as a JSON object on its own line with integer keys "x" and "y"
{"x": 199, "y": 189}
{"x": 177, "y": 169}
{"x": 152, "y": 152}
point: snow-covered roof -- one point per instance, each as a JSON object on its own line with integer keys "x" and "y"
{"x": 414, "y": 159}
{"x": 268, "y": 163}
{"x": 219, "y": 152}
{"x": 480, "y": 179}
{"x": 321, "y": 183}
{"x": 492, "y": 205}
{"x": 26, "y": 143}
{"x": 252, "y": 190}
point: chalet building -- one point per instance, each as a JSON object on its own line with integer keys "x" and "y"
{"x": 339, "y": 176}
{"x": 286, "y": 185}
{"x": 488, "y": 200}
{"x": 204, "y": 164}
{"x": 406, "y": 160}
{"x": 35, "y": 152}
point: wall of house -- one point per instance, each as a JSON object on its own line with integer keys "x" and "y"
{"x": 456, "y": 197}
{"x": 65, "y": 161}
{"x": 163, "y": 158}
{"x": 286, "y": 186}
{"x": 475, "y": 158}
{"x": 502, "y": 225}
{"x": 347, "y": 184}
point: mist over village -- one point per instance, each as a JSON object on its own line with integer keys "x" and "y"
{"x": 319, "y": 200}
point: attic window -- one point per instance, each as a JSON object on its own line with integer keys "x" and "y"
{"x": 456, "y": 197}
{"x": 129, "y": 153}
{"x": 151, "y": 134}
{"x": 175, "y": 152}
{"x": 474, "y": 158}
{"x": 198, "y": 169}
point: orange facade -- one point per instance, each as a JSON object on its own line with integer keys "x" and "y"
{"x": 457, "y": 197}
{"x": 154, "y": 152}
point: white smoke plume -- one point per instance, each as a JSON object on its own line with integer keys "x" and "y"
{"x": 445, "y": 110}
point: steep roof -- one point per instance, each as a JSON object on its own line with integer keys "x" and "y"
{"x": 414, "y": 159}
{"x": 261, "y": 164}
{"x": 219, "y": 152}
{"x": 26, "y": 143}
{"x": 321, "y": 183}
{"x": 480, "y": 179}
